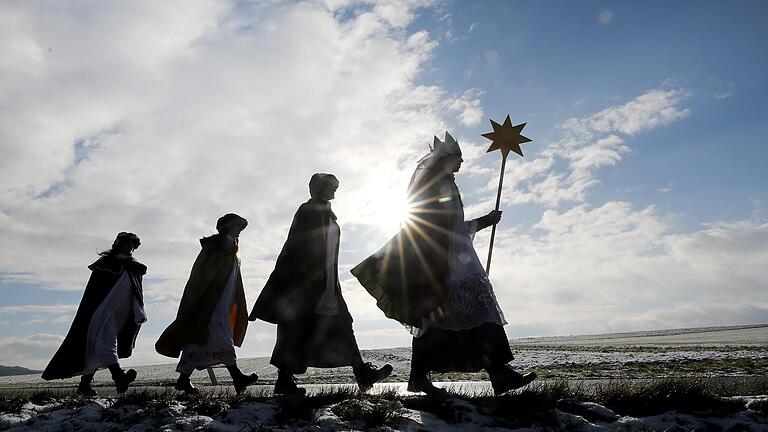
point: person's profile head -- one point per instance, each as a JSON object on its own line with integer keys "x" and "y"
{"x": 444, "y": 155}
{"x": 125, "y": 243}
{"x": 231, "y": 224}
{"x": 452, "y": 162}
{"x": 323, "y": 186}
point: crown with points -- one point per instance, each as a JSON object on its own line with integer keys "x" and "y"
{"x": 449, "y": 146}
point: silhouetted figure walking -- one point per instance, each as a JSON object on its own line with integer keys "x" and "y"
{"x": 429, "y": 278}
{"x": 303, "y": 297}
{"x": 212, "y": 317}
{"x": 107, "y": 321}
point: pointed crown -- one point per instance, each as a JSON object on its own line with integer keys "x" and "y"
{"x": 449, "y": 146}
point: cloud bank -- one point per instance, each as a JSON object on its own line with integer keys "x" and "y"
{"x": 155, "y": 118}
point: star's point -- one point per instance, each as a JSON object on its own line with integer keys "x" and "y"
{"x": 506, "y": 137}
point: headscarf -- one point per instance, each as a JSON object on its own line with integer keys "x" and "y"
{"x": 229, "y": 219}
{"x": 126, "y": 237}
{"x": 319, "y": 182}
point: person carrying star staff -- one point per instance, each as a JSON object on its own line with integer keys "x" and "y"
{"x": 429, "y": 278}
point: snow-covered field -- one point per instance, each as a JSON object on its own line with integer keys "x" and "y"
{"x": 738, "y": 354}
{"x": 455, "y": 414}
{"x": 733, "y": 351}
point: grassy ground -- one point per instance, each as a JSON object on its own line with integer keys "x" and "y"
{"x": 531, "y": 405}
{"x": 627, "y": 370}
{"x": 682, "y": 368}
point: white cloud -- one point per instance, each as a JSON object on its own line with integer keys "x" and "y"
{"x": 609, "y": 268}
{"x": 720, "y": 89}
{"x": 491, "y": 57}
{"x": 467, "y": 107}
{"x": 49, "y": 309}
{"x": 652, "y": 109}
{"x": 605, "y": 16}
{"x": 666, "y": 188}
{"x": 177, "y": 118}
{"x": 30, "y": 351}
{"x": 615, "y": 268}
{"x": 158, "y": 119}
{"x": 724, "y": 95}
{"x": 566, "y": 169}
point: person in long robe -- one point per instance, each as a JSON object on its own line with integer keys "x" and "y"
{"x": 303, "y": 297}
{"x": 212, "y": 316}
{"x": 107, "y": 321}
{"x": 429, "y": 278}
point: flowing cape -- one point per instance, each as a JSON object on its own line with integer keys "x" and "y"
{"x": 299, "y": 279}
{"x": 204, "y": 288}
{"x": 408, "y": 276}
{"x": 70, "y": 359}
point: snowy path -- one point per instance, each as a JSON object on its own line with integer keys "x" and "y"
{"x": 470, "y": 388}
{"x": 101, "y": 414}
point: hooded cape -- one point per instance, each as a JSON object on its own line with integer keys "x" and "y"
{"x": 70, "y": 359}
{"x": 204, "y": 288}
{"x": 299, "y": 279}
{"x": 408, "y": 276}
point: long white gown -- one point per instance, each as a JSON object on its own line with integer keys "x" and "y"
{"x": 220, "y": 348}
{"x": 329, "y": 304}
{"x": 106, "y": 322}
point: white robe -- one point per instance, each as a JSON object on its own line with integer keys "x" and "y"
{"x": 220, "y": 348}
{"x": 106, "y": 322}
{"x": 328, "y": 304}
{"x": 470, "y": 301}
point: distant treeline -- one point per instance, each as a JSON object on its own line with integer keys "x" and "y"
{"x": 16, "y": 370}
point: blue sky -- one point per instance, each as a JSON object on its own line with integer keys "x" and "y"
{"x": 641, "y": 202}
{"x": 558, "y": 60}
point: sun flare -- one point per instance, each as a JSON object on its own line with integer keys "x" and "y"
{"x": 393, "y": 210}
{"x": 397, "y": 214}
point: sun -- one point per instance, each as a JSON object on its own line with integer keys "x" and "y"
{"x": 392, "y": 211}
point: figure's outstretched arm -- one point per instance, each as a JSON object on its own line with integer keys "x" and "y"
{"x": 483, "y": 222}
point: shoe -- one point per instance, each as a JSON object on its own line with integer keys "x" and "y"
{"x": 86, "y": 391}
{"x": 185, "y": 385}
{"x": 421, "y": 383}
{"x": 242, "y": 382}
{"x": 286, "y": 385}
{"x": 84, "y": 387}
{"x": 505, "y": 379}
{"x": 122, "y": 383}
{"x": 367, "y": 375}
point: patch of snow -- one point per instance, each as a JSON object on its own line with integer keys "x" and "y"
{"x": 105, "y": 414}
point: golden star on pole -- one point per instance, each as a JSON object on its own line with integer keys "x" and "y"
{"x": 506, "y": 137}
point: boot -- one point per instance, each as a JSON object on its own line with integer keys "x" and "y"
{"x": 122, "y": 378}
{"x": 504, "y": 379}
{"x": 419, "y": 382}
{"x": 286, "y": 385}
{"x": 185, "y": 385}
{"x": 84, "y": 388}
{"x": 240, "y": 380}
{"x": 367, "y": 375}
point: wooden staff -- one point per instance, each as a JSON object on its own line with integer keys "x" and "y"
{"x": 504, "y": 137}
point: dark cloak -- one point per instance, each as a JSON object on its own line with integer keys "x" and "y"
{"x": 438, "y": 350}
{"x": 205, "y": 286}
{"x": 70, "y": 359}
{"x": 305, "y": 338}
{"x": 408, "y": 276}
